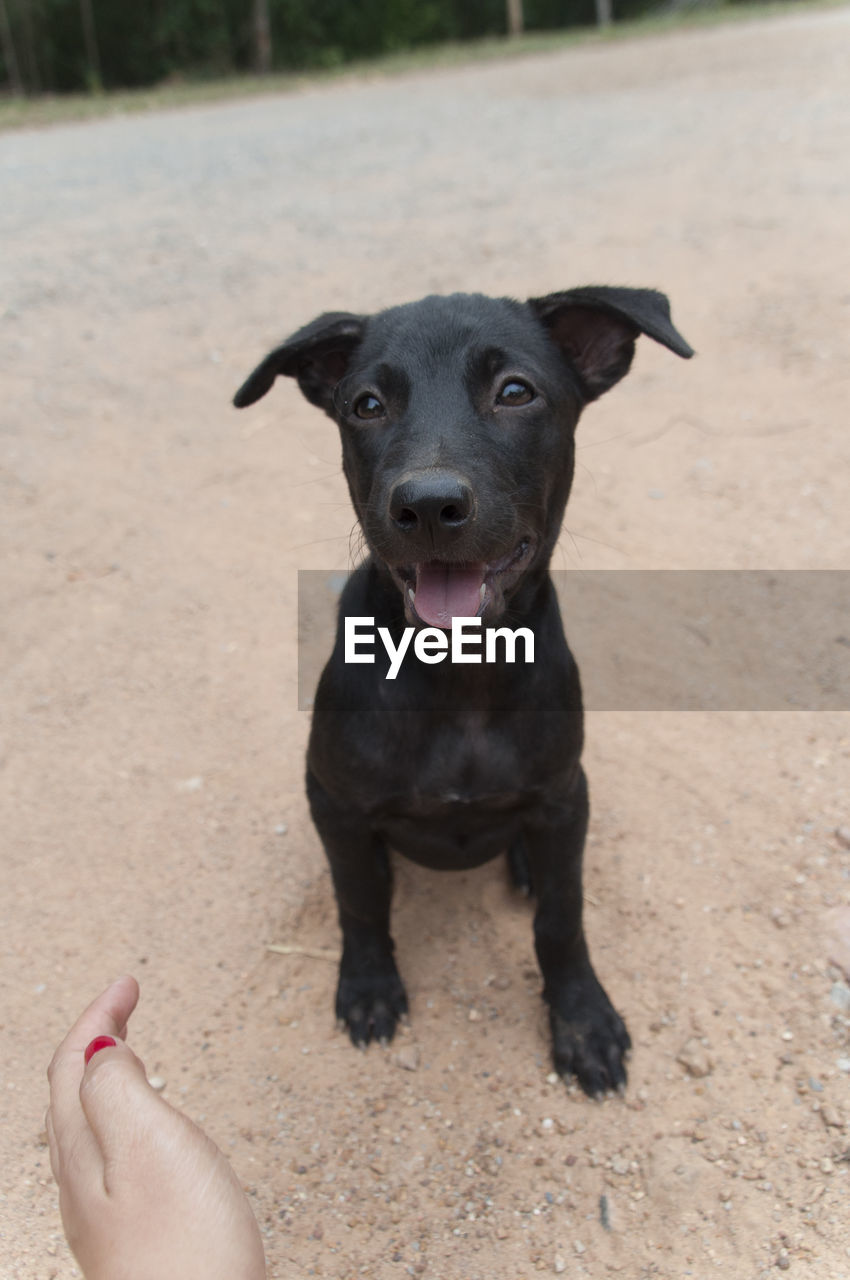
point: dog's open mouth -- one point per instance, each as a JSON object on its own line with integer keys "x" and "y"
{"x": 436, "y": 591}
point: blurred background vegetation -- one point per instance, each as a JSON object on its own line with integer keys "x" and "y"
{"x": 68, "y": 46}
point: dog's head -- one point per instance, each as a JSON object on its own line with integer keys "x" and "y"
{"x": 457, "y": 417}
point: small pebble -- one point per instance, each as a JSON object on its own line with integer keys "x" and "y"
{"x": 560, "y": 1264}
{"x": 157, "y": 1082}
{"x": 840, "y": 995}
{"x": 693, "y": 1057}
{"x": 408, "y": 1057}
{"x": 604, "y": 1215}
{"x": 281, "y": 829}
{"x": 842, "y": 835}
{"x": 831, "y": 1118}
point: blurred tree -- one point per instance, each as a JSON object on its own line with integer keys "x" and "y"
{"x": 93, "y": 76}
{"x": 516, "y": 23}
{"x": 262, "y": 38}
{"x": 29, "y": 62}
{"x": 10, "y": 57}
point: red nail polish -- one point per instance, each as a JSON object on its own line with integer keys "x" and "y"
{"x": 99, "y": 1042}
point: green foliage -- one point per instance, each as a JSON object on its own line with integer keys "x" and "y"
{"x": 143, "y": 42}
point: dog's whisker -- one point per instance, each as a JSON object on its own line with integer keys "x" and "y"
{"x": 302, "y": 484}
{"x": 318, "y": 542}
{"x": 585, "y": 444}
{"x": 561, "y": 549}
{"x": 599, "y": 542}
{"x": 585, "y": 470}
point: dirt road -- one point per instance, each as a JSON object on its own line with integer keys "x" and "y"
{"x": 151, "y": 752}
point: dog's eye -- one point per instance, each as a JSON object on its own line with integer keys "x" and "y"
{"x": 514, "y": 392}
{"x": 368, "y": 406}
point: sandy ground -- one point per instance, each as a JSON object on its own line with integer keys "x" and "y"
{"x": 151, "y": 757}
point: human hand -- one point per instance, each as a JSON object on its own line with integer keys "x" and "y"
{"x": 144, "y": 1193}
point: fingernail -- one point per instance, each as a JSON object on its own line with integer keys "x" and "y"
{"x": 99, "y": 1042}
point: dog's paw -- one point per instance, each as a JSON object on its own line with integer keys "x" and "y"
{"x": 371, "y": 1006}
{"x": 589, "y": 1039}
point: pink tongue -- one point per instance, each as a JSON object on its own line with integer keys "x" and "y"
{"x": 446, "y": 591}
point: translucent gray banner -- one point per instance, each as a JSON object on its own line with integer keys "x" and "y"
{"x": 669, "y": 640}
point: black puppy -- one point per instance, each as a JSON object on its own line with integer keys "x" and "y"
{"x": 457, "y": 417}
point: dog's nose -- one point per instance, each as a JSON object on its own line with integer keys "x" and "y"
{"x": 433, "y": 502}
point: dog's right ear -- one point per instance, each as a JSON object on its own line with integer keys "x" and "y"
{"x": 317, "y": 355}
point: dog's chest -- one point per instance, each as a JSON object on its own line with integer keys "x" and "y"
{"x": 462, "y": 767}
{"x": 459, "y": 800}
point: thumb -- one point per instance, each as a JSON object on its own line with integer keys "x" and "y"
{"x": 115, "y": 1095}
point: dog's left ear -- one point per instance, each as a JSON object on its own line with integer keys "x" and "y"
{"x": 317, "y": 355}
{"x": 596, "y": 328}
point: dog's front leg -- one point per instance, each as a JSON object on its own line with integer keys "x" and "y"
{"x": 589, "y": 1038}
{"x": 370, "y": 997}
